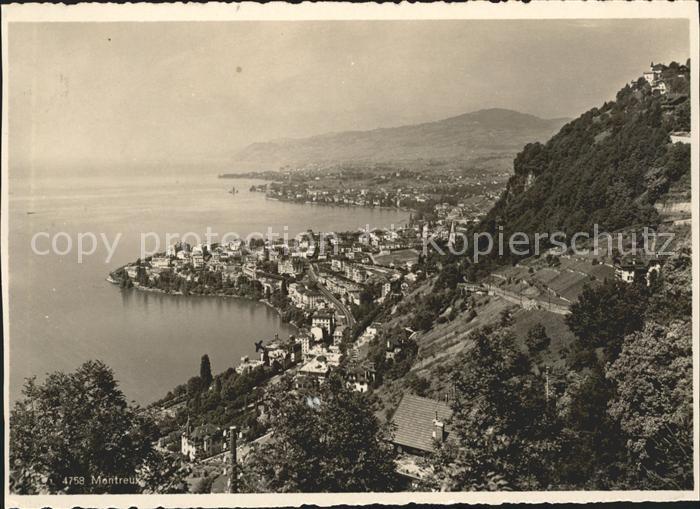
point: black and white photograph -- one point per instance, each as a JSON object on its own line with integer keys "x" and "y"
{"x": 281, "y": 254}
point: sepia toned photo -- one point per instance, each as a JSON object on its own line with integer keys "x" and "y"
{"x": 266, "y": 255}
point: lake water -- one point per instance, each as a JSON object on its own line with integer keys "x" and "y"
{"x": 63, "y": 313}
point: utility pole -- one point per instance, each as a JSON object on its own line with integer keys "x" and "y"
{"x": 546, "y": 385}
{"x": 233, "y": 474}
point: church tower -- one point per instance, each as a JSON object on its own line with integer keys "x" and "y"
{"x": 451, "y": 238}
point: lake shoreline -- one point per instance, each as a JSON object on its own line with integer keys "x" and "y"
{"x": 179, "y": 294}
{"x": 150, "y": 345}
{"x": 345, "y": 205}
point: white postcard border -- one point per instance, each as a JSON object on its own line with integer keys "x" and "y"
{"x": 347, "y": 11}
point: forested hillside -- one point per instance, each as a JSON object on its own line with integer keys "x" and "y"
{"x": 599, "y": 397}
{"x": 608, "y": 166}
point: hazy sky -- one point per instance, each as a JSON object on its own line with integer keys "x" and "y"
{"x": 104, "y": 94}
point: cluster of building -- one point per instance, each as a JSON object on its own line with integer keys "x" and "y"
{"x": 323, "y": 283}
{"x": 637, "y": 269}
{"x": 202, "y": 441}
{"x": 231, "y": 260}
{"x": 357, "y": 196}
{"x": 653, "y": 77}
{"x": 658, "y": 74}
{"x": 312, "y": 354}
{"x": 346, "y": 263}
{"x": 426, "y": 193}
{"x": 309, "y": 357}
{"x": 306, "y": 296}
{"x": 420, "y": 424}
{"x": 185, "y": 260}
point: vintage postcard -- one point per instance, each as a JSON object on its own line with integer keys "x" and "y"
{"x": 267, "y": 255}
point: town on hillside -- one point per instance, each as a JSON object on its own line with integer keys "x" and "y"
{"x": 347, "y": 294}
{"x": 361, "y": 303}
{"x": 525, "y": 326}
{"x": 459, "y": 192}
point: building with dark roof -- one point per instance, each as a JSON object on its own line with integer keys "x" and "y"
{"x": 201, "y": 442}
{"x": 629, "y": 270}
{"x": 325, "y": 320}
{"x": 419, "y": 422}
{"x": 360, "y": 376}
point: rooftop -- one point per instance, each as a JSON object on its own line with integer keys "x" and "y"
{"x": 315, "y": 367}
{"x": 204, "y": 430}
{"x": 414, "y": 421}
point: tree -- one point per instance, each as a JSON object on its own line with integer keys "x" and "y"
{"x": 418, "y": 385}
{"x": 579, "y": 166}
{"x": 164, "y": 473}
{"x": 654, "y": 405}
{"x": 673, "y": 297}
{"x": 205, "y": 371}
{"x": 204, "y": 484}
{"x": 506, "y": 318}
{"x": 537, "y": 340}
{"x": 503, "y": 432}
{"x": 194, "y": 386}
{"x": 325, "y": 440}
{"x": 605, "y": 314}
{"x": 78, "y": 425}
{"x": 423, "y": 319}
{"x": 591, "y": 440}
{"x": 449, "y": 277}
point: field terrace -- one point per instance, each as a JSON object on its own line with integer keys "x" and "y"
{"x": 559, "y": 280}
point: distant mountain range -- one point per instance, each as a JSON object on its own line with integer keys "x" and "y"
{"x": 484, "y": 133}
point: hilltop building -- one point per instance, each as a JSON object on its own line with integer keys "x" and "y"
{"x": 654, "y": 77}
{"x": 419, "y": 422}
{"x": 654, "y": 73}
